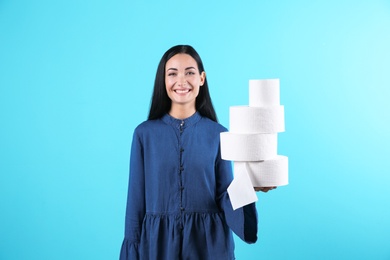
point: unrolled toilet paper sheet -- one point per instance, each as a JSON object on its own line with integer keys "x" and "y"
{"x": 240, "y": 190}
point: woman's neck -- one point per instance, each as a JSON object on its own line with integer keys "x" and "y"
{"x": 181, "y": 112}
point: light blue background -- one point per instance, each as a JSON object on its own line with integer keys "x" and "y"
{"x": 76, "y": 78}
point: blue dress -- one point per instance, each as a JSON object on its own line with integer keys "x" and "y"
{"x": 178, "y": 206}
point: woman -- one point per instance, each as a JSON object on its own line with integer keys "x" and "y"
{"x": 178, "y": 206}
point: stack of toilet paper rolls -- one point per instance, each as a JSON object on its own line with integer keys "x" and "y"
{"x": 252, "y": 143}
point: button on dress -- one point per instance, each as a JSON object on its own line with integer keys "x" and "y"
{"x": 178, "y": 206}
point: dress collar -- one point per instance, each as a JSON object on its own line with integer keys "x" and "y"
{"x": 167, "y": 118}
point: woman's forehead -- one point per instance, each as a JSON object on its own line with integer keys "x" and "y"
{"x": 181, "y": 60}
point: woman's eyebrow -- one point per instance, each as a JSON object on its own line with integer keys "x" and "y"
{"x": 188, "y": 68}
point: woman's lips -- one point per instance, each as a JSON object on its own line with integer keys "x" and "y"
{"x": 182, "y": 91}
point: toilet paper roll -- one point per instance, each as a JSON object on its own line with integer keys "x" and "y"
{"x": 268, "y": 173}
{"x": 244, "y": 119}
{"x": 248, "y": 147}
{"x": 264, "y": 93}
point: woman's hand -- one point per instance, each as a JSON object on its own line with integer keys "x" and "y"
{"x": 264, "y": 189}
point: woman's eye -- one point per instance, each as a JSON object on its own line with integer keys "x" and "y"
{"x": 190, "y": 73}
{"x": 172, "y": 74}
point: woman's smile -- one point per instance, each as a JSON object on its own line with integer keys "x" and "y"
{"x": 182, "y": 91}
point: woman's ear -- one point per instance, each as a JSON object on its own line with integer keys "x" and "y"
{"x": 202, "y": 78}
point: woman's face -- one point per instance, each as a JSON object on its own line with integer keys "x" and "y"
{"x": 183, "y": 79}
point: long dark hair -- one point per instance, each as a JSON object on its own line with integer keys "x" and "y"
{"x": 161, "y": 103}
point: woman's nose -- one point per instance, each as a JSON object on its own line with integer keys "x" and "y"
{"x": 182, "y": 80}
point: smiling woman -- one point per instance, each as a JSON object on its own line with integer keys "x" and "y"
{"x": 182, "y": 82}
{"x": 170, "y": 71}
{"x": 178, "y": 206}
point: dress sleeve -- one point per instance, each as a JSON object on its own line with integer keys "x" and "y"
{"x": 242, "y": 221}
{"x": 135, "y": 209}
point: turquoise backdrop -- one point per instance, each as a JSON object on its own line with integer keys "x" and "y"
{"x": 76, "y": 78}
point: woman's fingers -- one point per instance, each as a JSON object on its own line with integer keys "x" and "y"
{"x": 264, "y": 189}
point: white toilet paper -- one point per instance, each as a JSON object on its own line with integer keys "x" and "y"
{"x": 240, "y": 190}
{"x": 268, "y": 173}
{"x": 252, "y": 143}
{"x": 248, "y": 147}
{"x": 244, "y": 119}
{"x": 263, "y": 93}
